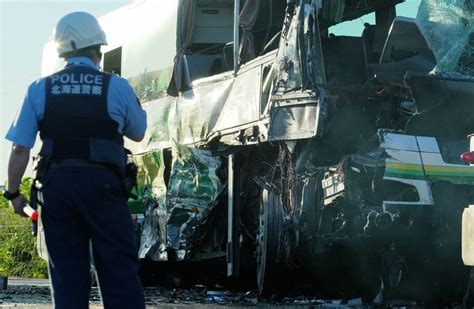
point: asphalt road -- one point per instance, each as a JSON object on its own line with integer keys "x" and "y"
{"x": 35, "y": 293}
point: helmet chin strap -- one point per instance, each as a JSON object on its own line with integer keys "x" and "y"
{"x": 73, "y": 45}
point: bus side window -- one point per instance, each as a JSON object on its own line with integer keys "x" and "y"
{"x": 113, "y": 61}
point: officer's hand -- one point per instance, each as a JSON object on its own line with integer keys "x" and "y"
{"x": 18, "y": 204}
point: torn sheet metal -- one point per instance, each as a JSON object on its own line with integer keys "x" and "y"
{"x": 193, "y": 182}
{"x": 243, "y": 103}
{"x": 402, "y": 174}
{"x": 287, "y": 66}
{"x": 192, "y": 188}
{"x": 299, "y": 101}
{"x": 294, "y": 116}
{"x": 218, "y": 103}
{"x": 157, "y": 135}
{"x": 448, "y": 26}
{"x": 315, "y": 76}
{"x": 195, "y": 112}
{"x": 151, "y": 182}
{"x": 215, "y": 104}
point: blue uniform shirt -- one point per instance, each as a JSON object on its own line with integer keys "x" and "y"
{"x": 122, "y": 106}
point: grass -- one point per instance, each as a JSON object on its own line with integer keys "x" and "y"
{"x": 18, "y": 256}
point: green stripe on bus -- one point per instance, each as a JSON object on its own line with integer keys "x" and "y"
{"x": 396, "y": 174}
{"x": 453, "y": 174}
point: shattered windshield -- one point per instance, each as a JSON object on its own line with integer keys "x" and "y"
{"x": 448, "y": 26}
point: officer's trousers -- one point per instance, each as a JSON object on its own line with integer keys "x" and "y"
{"x": 83, "y": 205}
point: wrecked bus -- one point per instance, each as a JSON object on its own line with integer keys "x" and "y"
{"x": 298, "y": 151}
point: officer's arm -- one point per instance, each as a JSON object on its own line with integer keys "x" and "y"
{"x": 125, "y": 103}
{"x": 19, "y": 158}
{"x": 135, "y": 124}
{"x": 22, "y": 134}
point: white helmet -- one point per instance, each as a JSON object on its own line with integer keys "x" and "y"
{"x": 76, "y": 31}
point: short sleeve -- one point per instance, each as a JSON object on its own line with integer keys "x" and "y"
{"x": 24, "y": 128}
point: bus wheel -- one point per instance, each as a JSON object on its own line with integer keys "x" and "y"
{"x": 270, "y": 244}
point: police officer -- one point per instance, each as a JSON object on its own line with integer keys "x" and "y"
{"x": 82, "y": 115}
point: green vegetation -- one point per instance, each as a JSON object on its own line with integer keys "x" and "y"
{"x": 18, "y": 256}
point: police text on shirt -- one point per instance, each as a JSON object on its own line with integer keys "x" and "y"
{"x": 70, "y": 83}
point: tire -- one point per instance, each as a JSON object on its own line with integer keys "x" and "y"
{"x": 271, "y": 245}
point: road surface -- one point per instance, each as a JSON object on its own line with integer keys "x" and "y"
{"x": 35, "y": 294}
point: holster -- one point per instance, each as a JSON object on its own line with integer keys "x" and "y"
{"x": 40, "y": 165}
{"x": 129, "y": 179}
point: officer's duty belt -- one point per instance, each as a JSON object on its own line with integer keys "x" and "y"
{"x": 77, "y": 162}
